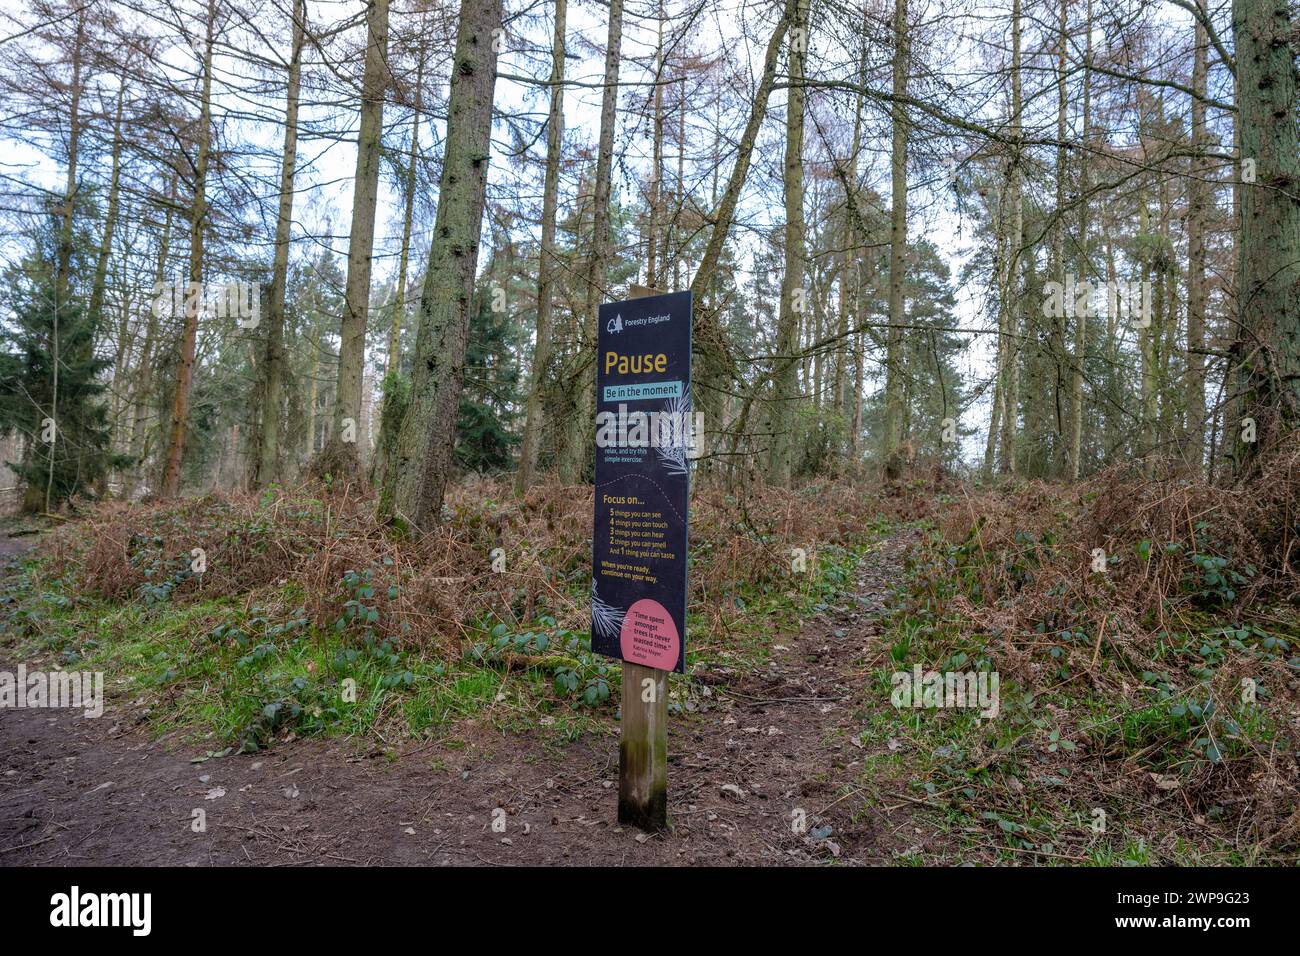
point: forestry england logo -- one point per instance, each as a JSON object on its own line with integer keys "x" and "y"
{"x": 971, "y": 689}
{"x": 73, "y": 689}
{"x": 103, "y": 909}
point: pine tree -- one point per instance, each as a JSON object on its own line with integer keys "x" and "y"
{"x": 50, "y": 389}
{"x": 484, "y": 438}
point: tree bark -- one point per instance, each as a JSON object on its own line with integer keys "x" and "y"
{"x": 657, "y": 162}
{"x": 1147, "y": 331}
{"x": 100, "y": 283}
{"x": 1013, "y": 290}
{"x": 408, "y": 215}
{"x": 198, "y": 213}
{"x": 313, "y": 390}
{"x": 793, "y": 294}
{"x": 1266, "y": 353}
{"x": 110, "y": 224}
{"x": 573, "y": 454}
{"x": 394, "y": 405}
{"x": 64, "y": 264}
{"x": 356, "y": 302}
{"x": 894, "y": 372}
{"x": 142, "y": 385}
{"x": 1198, "y": 203}
{"x": 1084, "y": 266}
{"x": 546, "y": 258}
{"x": 422, "y": 462}
{"x": 859, "y": 337}
{"x": 848, "y": 284}
{"x": 1059, "y": 463}
{"x": 268, "y": 463}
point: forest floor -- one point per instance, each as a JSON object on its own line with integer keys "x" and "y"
{"x": 780, "y": 738}
{"x": 1148, "y": 710}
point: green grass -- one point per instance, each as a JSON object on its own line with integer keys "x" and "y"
{"x": 211, "y": 668}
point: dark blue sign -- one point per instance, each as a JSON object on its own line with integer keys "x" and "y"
{"x": 645, "y": 442}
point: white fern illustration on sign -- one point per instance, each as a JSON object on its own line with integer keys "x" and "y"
{"x": 674, "y": 454}
{"x": 606, "y": 619}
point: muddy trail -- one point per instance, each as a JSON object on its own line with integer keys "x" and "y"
{"x": 763, "y": 770}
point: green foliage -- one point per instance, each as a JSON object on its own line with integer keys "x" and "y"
{"x": 1214, "y": 581}
{"x": 484, "y": 434}
{"x": 576, "y": 671}
{"x": 35, "y": 400}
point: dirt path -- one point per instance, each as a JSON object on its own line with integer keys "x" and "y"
{"x": 79, "y": 791}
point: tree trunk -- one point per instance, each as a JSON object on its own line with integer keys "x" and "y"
{"x": 35, "y": 497}
{"x": 712, "y": 371}
{"x": 1014, "y": 290}
{"x": 848, "y": 285}
{"x": 142, "y": 384}
{"x": 793, "y": 294}
{"x": 573, "y": 454}
{"x": 268, "y": 463}
{"x": 1169, "y": 423}
{"x": 422, "y": 461}
{"x": 313, "y": 392}
{"x": 653, "y": 272}
{"x": 893, "y": 436}
{"x": 100, "y": 284}
{"x": 408, "y": 214}
{"x": 546, "y": 258}
{"x": 1059, "y": 463}
{"x": 198, "y": 213}
{"x": 394, "y": 405}
{"x": 110, "y": 225}
{"x": 1198, "y": 204}
{"x": 1115, "y": 419}
{"x": 64, "y": 263}
{"x": 1083, "y": 267}
{"x": 1148, "y": 327}
{"x": 1266, "y": 353}
{"x": 859, "y": 336}
{"x": 356, "y": 301}
{"x": 674, "y": 242}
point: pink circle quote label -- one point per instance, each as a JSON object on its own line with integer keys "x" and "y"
{"x": 649, "y": 637}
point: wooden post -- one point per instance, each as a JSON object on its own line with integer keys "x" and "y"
{"x": 643, "y": 749}
{"x": 643, "y": 733}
